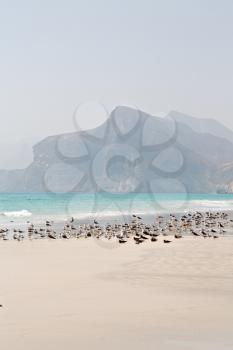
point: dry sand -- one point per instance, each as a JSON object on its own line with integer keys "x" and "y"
{"x": 59, "y": 295}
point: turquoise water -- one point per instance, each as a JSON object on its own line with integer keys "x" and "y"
{"x": 26, "y": 206}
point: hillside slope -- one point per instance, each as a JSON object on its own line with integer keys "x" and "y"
{"x": 131, "y": 152}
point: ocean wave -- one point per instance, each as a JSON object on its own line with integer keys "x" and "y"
{"x": 192, "y": 207}
{"x": 211, "y": 204}
{"x": 16, "y": 214}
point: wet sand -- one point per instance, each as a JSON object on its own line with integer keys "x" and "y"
{"x": 79, "y": 294}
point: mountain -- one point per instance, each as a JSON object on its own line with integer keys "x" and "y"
{"x": 11, "y": 180}
{"x": 223, "y": 177}
{"x": 204, "y": 126}
{"x": 131, "y": 152}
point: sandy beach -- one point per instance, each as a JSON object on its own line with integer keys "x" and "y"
{"x": 81, "y": 295}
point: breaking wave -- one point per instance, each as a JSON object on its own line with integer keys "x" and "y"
{"x": 17, "y": 214}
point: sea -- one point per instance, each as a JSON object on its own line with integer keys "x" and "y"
{"x": 22, "y": 208}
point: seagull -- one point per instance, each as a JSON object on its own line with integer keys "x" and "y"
{"x": 167, "y": 241}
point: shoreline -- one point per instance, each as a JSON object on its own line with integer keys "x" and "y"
{"x": 205, "y": 224}
{"x": 166, "y": 285}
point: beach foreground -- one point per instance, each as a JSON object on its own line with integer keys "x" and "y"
{"x": 83, "y": 295}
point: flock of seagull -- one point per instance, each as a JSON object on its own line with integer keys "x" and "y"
{"x": 198, "y": 224}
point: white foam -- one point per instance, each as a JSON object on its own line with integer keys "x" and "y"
{"x": 16, "y": 214}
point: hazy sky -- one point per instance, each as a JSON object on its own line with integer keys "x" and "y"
{"x": 158, "y": 55}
